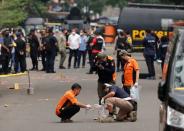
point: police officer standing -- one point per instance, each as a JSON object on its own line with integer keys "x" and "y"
{"x": 106, "y": 72}
{"x": 7, "y": 54}
{"x": 34, "y": 45}
{"x": 150, "y": 45}
{"x": 51, "y": 48}
{"x": 20, "y": 53}
{"x": 120, "y": 44}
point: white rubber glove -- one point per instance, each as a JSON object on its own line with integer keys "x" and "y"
{"x": 88, "y": 106}
{"x": 102, "y": 101}
{"x": 136, "y": 85}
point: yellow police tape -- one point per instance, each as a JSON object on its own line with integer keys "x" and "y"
{"x": 9, "y": 75}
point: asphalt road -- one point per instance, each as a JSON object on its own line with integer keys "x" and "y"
{"x": 22, "y": 112}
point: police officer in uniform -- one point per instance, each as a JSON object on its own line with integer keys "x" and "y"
{"x": 7, "y": 54}
{"x": 34, "y": 45}
{"x": 120, "y": 44}
{"x": 106, "y": 72}
{"x": 20, "y": 54}
{"x": 150, "y": 46}
{"x": 51, "y": 48}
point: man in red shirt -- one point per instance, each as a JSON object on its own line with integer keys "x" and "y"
{"x": 97, "y": 46}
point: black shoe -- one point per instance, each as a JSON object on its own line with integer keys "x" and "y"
{"x": 89, "y": 72}
{"x": 52, "y": 72}
{"x": 48, "y": 71}
{"x": 66, "y": 121}
{"x": 62, "y": 67}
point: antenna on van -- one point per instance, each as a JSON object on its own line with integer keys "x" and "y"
{"x": 159, "y": 6}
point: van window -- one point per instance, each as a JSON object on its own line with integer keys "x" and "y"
{"x": 178, "y": 64}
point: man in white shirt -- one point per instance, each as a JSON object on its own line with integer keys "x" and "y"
{"x": 73, "y": 41}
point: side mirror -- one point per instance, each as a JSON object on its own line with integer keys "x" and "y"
{"x": 162, "y": 91}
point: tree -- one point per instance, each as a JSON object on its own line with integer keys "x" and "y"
{"x": 118, "y": 3}
{"x": 14, "y": 12}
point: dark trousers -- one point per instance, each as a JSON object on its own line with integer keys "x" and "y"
{"x": 50, "y": 59}
{"x": 34, "y": 56}
{"x": 68, "y": 112}
{"x": 92, "y": 63}
{"x": 119, "y": 62}
{"x": 90, "y": 55}
{"x": 20, "y": 59}
{"x": 43, "y": 56}
{"x": 73, "y": 53}
{"x": 127, "y": 89}
{"x": 150, "y": 65}
{"x": 5, "y": 63}
{"x": 83, "y": 55}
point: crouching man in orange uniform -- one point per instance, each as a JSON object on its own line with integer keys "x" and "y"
{"x": 68, "y": 104}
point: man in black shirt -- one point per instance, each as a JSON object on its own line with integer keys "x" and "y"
{"x": 51, "y": 49}
{"x": 117, "y": 97}
{"x": 34, "y": 45}
{"x": 20, "y": 54}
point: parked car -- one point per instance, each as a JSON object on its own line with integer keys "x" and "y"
{"x": 171, "y": 88}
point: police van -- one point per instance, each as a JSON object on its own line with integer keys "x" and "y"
{"x": 171, "y": 88}
{"x": 136, "y": 18}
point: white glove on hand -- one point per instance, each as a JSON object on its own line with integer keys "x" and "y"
{"x": 136, "y": 85}
{"x": 88, "y": 106}
{"x": 102, "y": 101}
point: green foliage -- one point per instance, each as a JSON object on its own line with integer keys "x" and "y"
{"x": 97, "y": 5}
{"x": 118, "y": 3}
{"x": 14, "y": 12}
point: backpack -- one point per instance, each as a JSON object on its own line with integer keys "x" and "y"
{"x": 99, "y": 44}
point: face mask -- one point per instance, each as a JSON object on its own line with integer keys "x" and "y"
{"x": 73, "y": 33}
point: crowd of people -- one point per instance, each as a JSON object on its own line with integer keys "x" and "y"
{"x": 109, "y": 94}
{"x": 47, "y": 44}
